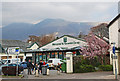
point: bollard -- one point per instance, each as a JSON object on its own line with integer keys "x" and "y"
{"x": 36, "y": 73}
{"x": 48, "y": 72}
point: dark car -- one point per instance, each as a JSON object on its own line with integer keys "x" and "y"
{"x": 1, "y": 63}
{"x": 10, "y": 69}
{"x": 23, "y": 64}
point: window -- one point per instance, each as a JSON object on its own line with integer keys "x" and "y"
{"x": 50, "y": 61}
{"x": 65, "y": 39}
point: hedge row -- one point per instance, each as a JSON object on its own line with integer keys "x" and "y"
{"x": 83, "y": 68}
{"x": 106, "y": 67}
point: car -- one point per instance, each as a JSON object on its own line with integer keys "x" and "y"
{"x": 23, "y": 64}
{"x": 9, "y": 61}
{"x": 10, "y": 69}
{"x": 1, "y": 63}
{"x": 53, "y": 62}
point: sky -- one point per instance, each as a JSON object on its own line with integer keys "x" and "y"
{"x": 34, "y": 12}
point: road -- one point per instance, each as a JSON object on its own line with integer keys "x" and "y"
{"x": 92, "y": 76}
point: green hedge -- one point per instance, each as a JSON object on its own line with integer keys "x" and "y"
{"x": 83, "y": 68}
{"x": 105, "y": 67}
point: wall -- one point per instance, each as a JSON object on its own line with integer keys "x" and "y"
{"x": 2, "y": 55}
{"x": 114, "y": 36}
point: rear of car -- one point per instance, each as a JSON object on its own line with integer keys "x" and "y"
{"x": 53, "y": 62}
{"x": 50, "y": 63}
{"x": 10, "y": 69}
{"x": 23, "y": 64}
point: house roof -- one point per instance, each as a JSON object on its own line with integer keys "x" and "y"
{"x": 33, "y": 44}
{"x": 63, "y": 36}
{"x": 14, "y": 43}
{"x": 113, "y": 20}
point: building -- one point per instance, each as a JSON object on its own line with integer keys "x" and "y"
{"x": 114, "y": 34}
{"x": 16, "y": 43}
{"x": 58, "y": 48}
{"x": 32, "y": 46}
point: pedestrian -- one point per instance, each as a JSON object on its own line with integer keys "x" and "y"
{"x": 40, "y": 66}
{"x": 33, "y": 67}
{"x": 43, "y": 62}
{"x": 36, "y": 70}
{"x": 47, "y": 68}
{"x": 47, "y": 65}
{"x": 58, "y": 68}
{"x": 29, "y": 66}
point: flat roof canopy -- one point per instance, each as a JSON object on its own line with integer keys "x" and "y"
{"x": 69, "y": 50}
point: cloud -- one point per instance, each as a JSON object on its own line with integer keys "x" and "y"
{"x": 32, "y": 12}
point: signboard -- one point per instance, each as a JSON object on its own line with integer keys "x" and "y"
{"x": 114, "y": 57}
{"x": 113, "y": 49}
{"x": 13, "y": 50}
{"x": 68, "y": 58}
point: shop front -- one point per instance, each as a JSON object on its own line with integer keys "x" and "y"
{"x": 58, "y": 48}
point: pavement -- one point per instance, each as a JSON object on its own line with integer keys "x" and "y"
{"x": 91, "y": 75}
{"x": 53, "y": 75}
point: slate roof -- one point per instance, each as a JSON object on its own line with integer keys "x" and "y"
{"x": 14, "y": 43}
{"x": 118, "y": 16}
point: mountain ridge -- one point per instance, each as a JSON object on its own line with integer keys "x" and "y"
{"x": 21, "y": 31}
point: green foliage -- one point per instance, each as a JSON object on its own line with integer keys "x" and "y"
{"x": 105, "y": 67}
{"x": 83, "y": 68}
{"x": 90, "y": 65}
{"x": 95, "y": 62}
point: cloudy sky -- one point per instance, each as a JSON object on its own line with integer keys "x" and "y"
{"x": 34, "y": 12}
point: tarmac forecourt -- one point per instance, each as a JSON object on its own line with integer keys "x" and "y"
{"x": 59, "y": 80}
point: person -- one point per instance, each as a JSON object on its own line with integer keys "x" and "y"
{"x": 36, "y": 70}
{"x": 47, "y": 65}
{"x": 40, "y": 66}
{"x": 43, "y": 62}
{"x": 47, "y": 68}
{"x": 58, "y": 68}
{"x": 30, "y": 66}
{"x": 33, "y": 67}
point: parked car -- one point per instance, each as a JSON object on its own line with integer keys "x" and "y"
{"x": 10, "y": 69}
{"x": 1, "y": 63}
{"x": 11, "y": 60}
{"x": 23, "y": 64}
{"x": 53, "y": 62}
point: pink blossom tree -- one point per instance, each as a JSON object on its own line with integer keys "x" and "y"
{"x": 96, "y": 47}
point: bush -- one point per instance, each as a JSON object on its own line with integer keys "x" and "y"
{"x": 83, "y": 68}
{"x": 105, "y": 67}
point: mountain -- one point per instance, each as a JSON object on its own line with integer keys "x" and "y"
{"x": 21, "y": 31}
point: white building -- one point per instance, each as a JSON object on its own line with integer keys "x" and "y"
{"x": 64, "y": 42}
{"x": 16, "y": 43}
{"x": 58, "y": 48}
{"x": 114, "y": 34}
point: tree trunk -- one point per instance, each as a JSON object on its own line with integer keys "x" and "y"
{"x": 102, "y": 59}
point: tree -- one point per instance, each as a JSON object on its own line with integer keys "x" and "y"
{"x": 42, "y": 40}
{"x": 81, "y": 35}
{"x": 96, "y": 47}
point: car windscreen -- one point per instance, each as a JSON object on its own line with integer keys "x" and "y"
{"x": 4, "y": 61}
{"x": 49, "y": 61}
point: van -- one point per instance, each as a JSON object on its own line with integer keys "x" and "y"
{"x": 14, "y": 60}
{"x": 53, "y": 62}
